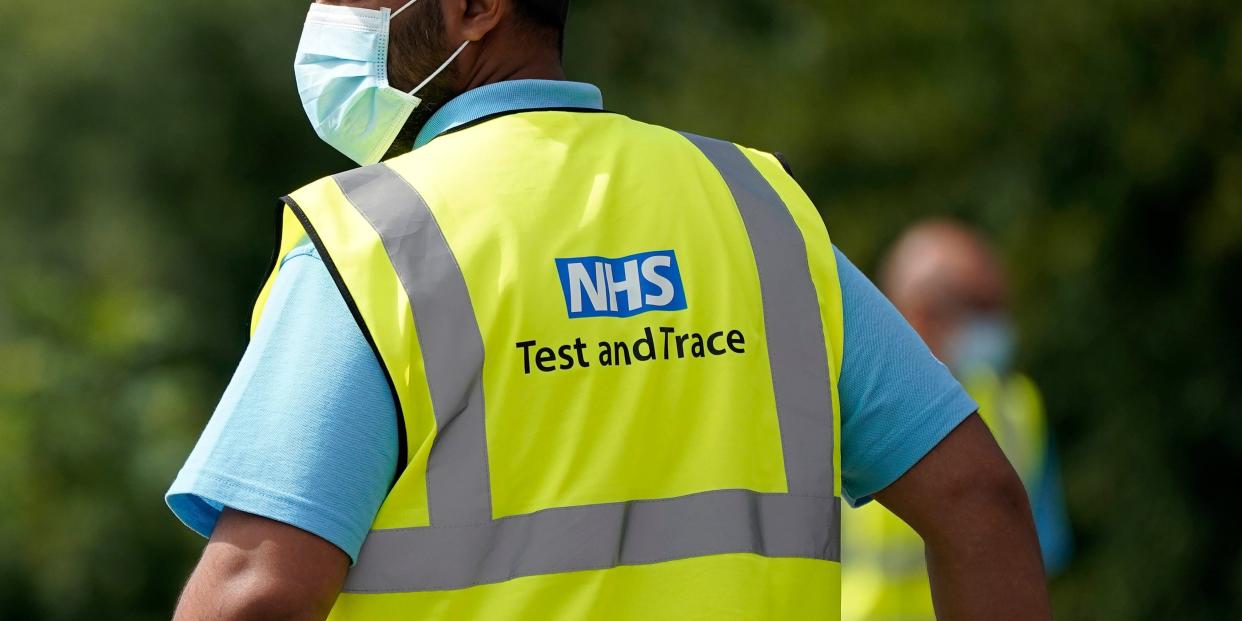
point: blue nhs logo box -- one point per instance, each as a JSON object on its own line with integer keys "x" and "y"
{"x": 624, "y": 287}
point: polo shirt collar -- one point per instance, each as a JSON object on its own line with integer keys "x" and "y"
{"x": 509, "y": 96}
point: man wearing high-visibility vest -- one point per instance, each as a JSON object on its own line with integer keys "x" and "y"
{"x": 948, "y": 283}
{"x": 555, "y": 363}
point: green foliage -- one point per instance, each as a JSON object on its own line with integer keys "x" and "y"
{"x": 1101, "y": 143}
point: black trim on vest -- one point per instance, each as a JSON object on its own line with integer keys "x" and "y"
{"x": 402, "y": 450}
{"x": 780, "y": 157}
{"x": 271, "y": 266}
{"x": 504, "y": 113}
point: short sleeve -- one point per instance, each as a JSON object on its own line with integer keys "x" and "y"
{"x": 306, "y": 432}
{"x": 897, "y": 400}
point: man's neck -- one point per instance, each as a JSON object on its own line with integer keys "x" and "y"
{"x": 541, "y": 63}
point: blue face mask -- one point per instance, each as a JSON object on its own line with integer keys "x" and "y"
{"x": 342, "y": 74}
{"x": 983, "y": 342}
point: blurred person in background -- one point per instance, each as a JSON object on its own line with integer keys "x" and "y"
{"x": 626, "y": 465}
{"x": 948, "y": 283}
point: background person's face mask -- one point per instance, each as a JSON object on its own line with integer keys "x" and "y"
{"x": 983, "y": 342}
{"x": 342, "y": 75}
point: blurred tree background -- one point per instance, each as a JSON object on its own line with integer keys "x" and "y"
{"x": 1100, "y": 143}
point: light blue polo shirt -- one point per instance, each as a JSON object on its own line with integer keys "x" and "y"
{"x": 306, "y": 432}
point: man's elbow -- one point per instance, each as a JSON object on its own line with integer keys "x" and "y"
{"x": 257, "y": 568}
{"x": 243, "y": 590}
{"x": 996, "y": 487}
{"x": 249, "y": 596}
{"x": 968, "y": 504}
{"x": 990, "y": 498}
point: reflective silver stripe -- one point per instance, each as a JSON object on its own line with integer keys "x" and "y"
{"x": 598, "y": 537}
{"x": 458, "y": 490}
{"x": 794, "y": 330}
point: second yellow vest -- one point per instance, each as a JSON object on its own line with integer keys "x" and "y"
{"x": 885, "y": 576}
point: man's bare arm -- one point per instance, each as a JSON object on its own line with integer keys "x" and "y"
{"x": 255, "y": 568}
{"x": 969, "y": 506}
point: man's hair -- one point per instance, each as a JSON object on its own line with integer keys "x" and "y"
{"x": 546, "y": 13}
{"x": 545, "y": 17}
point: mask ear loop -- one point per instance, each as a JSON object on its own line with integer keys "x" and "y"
{"x": 404, "y": 7}
{"x": 443, "y": 66}
{"x": 441, "y": 69}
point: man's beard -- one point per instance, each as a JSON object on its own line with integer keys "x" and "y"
{"x": 416, "y": 50}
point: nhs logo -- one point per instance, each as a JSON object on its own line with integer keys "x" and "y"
{"x": 624, "y": 287}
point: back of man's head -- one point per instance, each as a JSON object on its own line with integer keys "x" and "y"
{"x": 509, "y": 39}
{"x": 545, "y": 19}
{"x": 545, "y": 13}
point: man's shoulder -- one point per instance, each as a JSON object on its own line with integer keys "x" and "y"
{"x": 336, "y": 186}
{"x": 474, "y": 145}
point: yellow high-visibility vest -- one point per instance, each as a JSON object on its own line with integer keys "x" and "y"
{"x": 615, "y": 351}
{"x": 884, "y": 574}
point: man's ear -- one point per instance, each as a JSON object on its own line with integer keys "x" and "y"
{"x": 471, "y": 20}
